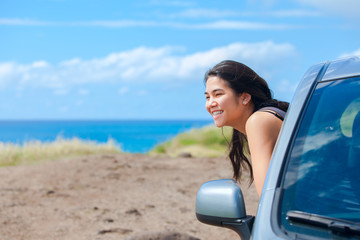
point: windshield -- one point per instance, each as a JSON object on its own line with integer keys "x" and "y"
{"x": 323, "y": 172}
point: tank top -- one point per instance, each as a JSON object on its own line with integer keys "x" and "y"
{"x": 277, "y": 112}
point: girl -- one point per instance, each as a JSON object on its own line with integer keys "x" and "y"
{"x": 237, "y": 97}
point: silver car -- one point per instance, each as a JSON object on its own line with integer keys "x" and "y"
{"x": 312, "y": 188}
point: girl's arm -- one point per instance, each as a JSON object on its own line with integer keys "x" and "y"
{"x": 262, "y": 130}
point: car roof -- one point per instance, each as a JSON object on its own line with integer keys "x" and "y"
{"x": 341, "y": 68}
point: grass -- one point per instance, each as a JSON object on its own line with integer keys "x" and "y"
{"x": 35, "y": 151}
{"x": 208, "y": 141}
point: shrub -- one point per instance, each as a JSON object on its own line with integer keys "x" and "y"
{"x": 208, "y": 141}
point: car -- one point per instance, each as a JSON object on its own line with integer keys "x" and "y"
{"x": 312, "y": 187}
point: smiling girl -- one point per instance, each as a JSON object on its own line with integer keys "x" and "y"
{"x": 237, "y": 97}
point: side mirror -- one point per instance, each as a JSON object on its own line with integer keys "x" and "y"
{"x": 221, "y": 203}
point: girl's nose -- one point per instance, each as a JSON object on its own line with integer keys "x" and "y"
{"x": 212, "y": 103}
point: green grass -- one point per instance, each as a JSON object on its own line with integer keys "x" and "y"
{"x": 35, "y": 151}
{"x": 208, "y": 141}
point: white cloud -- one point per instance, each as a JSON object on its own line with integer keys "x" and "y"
{"x": 99, "y": 23}
{"x": 71, "y": 62}
{"x": 205, "y": 13}
{"x": 63, "y": 109}
{"x": 23, "y": 22}
{"x": 123, "y": 90}
{"x": 60, "y": 92}
{"x": 172, "y": 3}
{"x": 6, "y": 72}
{"x": 241, "y": 25}
{"x": 265, "y": 2}
{"x": 6, "y": 68}
{"x": 79, "y": 103}
{"x": 40, "y": 64}
{"x": 354, "y": 53}
{"x": 142, "y": 92}
{"x": 260, "y": 56}
{"x": 143, "y": 64}
{"x": 235, "y": 25}
{"x": 119, "y": 23}
{"x": 223, "y": 24}
{"x": 345, "y": 8}
{"x": 292, "y": 13}
{"x": 215, "y": 13}
{"x": 83, "y": 92}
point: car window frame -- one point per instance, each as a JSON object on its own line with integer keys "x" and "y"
{"x": 278, "y": 197}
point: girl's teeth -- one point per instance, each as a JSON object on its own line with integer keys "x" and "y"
{"x": 217, "y": 113}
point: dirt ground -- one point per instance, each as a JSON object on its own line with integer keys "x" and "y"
{"x": 123, "y": 196}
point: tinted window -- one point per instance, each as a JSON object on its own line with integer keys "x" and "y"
{"x": 323, "y": 172}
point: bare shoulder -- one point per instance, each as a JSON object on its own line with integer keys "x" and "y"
{"x": 262, "y": 118}
{"x": 262, "y": 121}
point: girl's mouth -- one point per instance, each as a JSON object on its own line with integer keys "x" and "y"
{"x": 217, "y": 113}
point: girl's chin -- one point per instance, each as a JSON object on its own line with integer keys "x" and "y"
{"x": 219, "y": 124}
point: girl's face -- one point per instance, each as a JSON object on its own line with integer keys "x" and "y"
{"x": 224, "y": 105}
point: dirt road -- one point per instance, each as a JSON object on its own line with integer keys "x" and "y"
{"x": 123, "y": 196}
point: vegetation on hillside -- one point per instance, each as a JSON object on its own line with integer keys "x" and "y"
{"x": 208, "y": 141}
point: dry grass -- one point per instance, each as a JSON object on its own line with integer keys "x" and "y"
{"x": 35, "y": 151}
{"x": 208, "y": 141}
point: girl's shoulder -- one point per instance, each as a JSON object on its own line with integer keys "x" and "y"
{"x": 264, "y": 124}
{"x": 264, "y": 119}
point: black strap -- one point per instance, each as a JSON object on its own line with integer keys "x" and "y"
{"x": 275, "y": 114}
{"x": 275, "y": 111}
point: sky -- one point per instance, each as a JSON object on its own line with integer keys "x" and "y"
{"x": 146, "y": 59}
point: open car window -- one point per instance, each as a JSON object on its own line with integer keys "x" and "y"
{"x": 322, "y": 176}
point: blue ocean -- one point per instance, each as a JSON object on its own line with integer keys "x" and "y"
{"x": 132, "y": 136}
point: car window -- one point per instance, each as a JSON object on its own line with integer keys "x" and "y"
{"x": 322, "y": 175}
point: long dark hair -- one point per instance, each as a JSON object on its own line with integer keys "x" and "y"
{"x": 241, "y": 79}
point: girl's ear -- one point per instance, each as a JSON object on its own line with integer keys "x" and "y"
{"x": 245, "y": 98}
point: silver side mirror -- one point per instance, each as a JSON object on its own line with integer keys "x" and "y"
{"x": 221, "y": 203}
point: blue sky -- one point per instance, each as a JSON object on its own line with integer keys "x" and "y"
{"x": 110, "y": 59}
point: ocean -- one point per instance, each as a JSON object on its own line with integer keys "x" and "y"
{"x": 136, "y": 136}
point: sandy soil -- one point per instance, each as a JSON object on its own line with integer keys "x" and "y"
{"x": 121, "y": 196}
